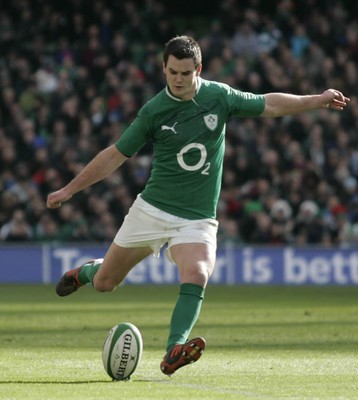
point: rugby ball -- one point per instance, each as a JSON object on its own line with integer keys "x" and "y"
{"x": 122, "y": 351}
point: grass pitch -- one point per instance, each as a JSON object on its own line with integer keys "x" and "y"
{"x": 262, "y": 343}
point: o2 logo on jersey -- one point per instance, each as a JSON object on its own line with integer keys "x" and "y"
{"x": 200, "y": 164}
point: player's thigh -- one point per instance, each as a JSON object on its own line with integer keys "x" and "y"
{"x": 118, "y": 261}
{"x": 195, "y": 261}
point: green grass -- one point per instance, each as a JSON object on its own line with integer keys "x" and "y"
{"x": 262, "y": 343}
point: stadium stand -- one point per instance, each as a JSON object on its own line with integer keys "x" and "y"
{"x": 74, "y": 73}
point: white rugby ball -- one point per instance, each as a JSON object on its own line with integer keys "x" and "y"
{"x": 122, "y": 351}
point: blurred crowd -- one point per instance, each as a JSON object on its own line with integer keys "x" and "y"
{"x": 73, "y": 75}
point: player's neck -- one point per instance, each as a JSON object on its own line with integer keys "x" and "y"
{"x": 189, "y": 95}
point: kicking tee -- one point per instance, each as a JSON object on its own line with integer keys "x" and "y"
{"x": 188, "y": 139}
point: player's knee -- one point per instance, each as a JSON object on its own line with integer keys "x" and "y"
{"x": 202, "y": 277}
{"x": 196, "y": 275}
{"x": 105, "y": 284}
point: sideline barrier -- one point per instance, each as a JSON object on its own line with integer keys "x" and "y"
{"x": 247, "y": 265}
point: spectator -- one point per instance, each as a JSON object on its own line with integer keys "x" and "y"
{"x": 308, "y": 226}
{"x": 245, "y": 41}
{"x": 16, "y": 229}
{"x": 72, "y": 80}
{"x": 46, "y": 230}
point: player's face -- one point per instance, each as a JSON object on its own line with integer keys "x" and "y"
{"x": 181, "y": 77}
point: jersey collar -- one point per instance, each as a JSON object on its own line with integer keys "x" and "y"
{"x": 198, "y": 85}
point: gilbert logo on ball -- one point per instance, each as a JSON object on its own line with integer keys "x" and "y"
{"x": 122, "y": 351}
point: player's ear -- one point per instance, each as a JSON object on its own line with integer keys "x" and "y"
{"x": 198, "y": 70}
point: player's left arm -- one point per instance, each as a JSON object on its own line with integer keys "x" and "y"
{"x": 280, "y": 104}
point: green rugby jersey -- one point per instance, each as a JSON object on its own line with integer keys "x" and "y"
{"x": 188, "y": 139}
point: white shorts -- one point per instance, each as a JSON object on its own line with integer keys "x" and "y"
{"x": 146, "y": 225}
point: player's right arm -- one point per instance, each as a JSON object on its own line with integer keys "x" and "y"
{"x": 103, "y": 164}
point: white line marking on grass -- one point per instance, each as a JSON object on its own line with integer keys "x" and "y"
{"x": 217, "y": 390}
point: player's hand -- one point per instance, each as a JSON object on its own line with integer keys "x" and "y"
{"x": 335, "y": 100}
{"x": 55, "y": 199}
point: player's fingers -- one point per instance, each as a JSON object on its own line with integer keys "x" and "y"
{"x": 341, "y": 97}
{"x": 53, "y": 203}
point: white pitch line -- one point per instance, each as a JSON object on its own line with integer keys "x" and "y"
{"x": 216, "y": 390}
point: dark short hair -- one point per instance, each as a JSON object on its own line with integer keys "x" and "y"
{"x": 182, "y": 47}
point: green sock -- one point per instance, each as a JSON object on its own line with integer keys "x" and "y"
{"x": 88, "y": 271}
{"x": 185, "y": 313}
